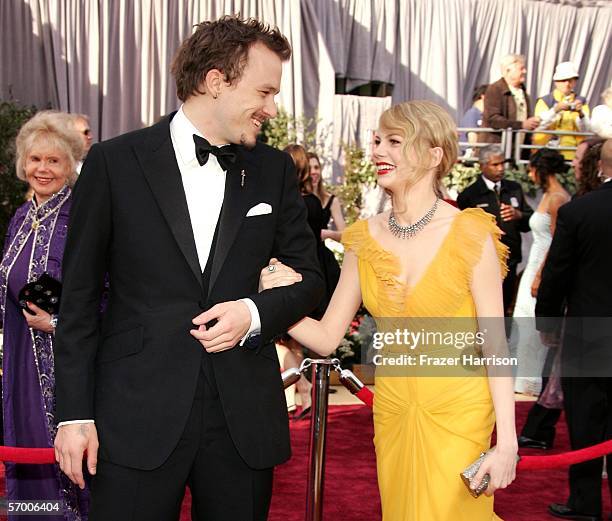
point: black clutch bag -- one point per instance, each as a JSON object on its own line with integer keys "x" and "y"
{"x": 45, "y": 292}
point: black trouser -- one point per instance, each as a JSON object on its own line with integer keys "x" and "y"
{"x": 223, "y": 487}
{"x": 588, "y": 409}
{"x": 541, "y": 421}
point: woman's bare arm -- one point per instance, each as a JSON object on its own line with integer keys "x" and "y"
{"x": 325, "y": 335}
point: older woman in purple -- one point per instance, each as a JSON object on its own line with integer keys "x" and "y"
{"x": 48, "y": 149}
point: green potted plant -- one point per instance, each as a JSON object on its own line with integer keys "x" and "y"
{"x": 12, "y": 190}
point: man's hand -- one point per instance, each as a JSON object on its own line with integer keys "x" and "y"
{"x": 531, "y": 123}
{"x": 509, "y": 213}
{"x": 561, "y": 106}
{"x": 578, "y": 105}
{"x": 71, "y": 442}
{"x": 40, "y": 321}
{"x": 233, "y": 322}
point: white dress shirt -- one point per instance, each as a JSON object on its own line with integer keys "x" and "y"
{"x": 494, "y": 187}
{"x": 204, "y": 189}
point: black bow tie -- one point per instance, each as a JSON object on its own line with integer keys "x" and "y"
{"x": 224, "y": 155}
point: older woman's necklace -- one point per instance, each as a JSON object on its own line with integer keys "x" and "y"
{"x": 44, "y": 214}
{"x": 407, "y": 232}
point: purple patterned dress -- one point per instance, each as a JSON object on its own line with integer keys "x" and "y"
{"x": 34, "y": 245}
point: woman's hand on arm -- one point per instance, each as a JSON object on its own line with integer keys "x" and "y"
{"x": 277, "y": 274}
{"x": 325, "y": 335}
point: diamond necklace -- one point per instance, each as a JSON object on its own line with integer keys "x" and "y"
{"x": 407, "y": 232}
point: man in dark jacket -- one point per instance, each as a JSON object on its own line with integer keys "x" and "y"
{"x": 506, "y": 101}
{"x": 179, "y": 383}
{"x": 577, "y": 277}
{"x": 505, "y": 200}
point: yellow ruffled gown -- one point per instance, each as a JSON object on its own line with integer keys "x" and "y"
{"x": 427, "y": 429}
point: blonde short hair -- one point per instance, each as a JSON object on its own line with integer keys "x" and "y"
{"x": 510, "y": 59}
{"x": 76, "y": 117}
{"x": 55, "y": 129}
{"x": 424, "y": 125}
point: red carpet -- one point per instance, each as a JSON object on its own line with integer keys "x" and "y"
{"x": 350, "y": 486}
{"x": 350, "y": 481}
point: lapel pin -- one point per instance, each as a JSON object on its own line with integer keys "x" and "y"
{"x": 242, "y": 176}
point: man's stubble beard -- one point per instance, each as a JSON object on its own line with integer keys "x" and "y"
{"x": 246, "y": 144}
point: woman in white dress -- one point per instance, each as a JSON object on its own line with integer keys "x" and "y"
{"x": 543, "y": 167}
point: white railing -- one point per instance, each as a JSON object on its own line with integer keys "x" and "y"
{"x": 509, "y": 137}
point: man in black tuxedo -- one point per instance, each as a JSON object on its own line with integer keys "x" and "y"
{"x": 577, "y": 277}
{"x": 180, "y": 381}
{"x": 506, "y": 201}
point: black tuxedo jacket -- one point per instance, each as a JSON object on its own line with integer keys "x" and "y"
{"x": 478, "y": 195}
{"x": 135, "y": 371}
{"x": 577, "y": 278}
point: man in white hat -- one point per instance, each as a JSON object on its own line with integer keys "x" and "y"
{"x": 563, "y": 109}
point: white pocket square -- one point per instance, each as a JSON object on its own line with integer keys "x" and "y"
{"x": 259, "y": 209}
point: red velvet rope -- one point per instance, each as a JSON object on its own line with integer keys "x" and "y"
{"x": 40, "y": 456}
{"x": 366, "y": 396}
{"x": 565, "y": 458}
{"x": 534, "y": 462}
{"x": 26, "y": 455}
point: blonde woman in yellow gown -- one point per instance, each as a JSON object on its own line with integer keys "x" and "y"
{"x": 427, "y": 428}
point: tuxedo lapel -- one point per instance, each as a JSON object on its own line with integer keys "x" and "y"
{"x": 161, "y": 170}
{"x": 239, "y": 191}
{"x": 483, "y": 189}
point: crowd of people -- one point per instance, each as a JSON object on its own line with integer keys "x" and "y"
{"x": 192, "y": 258}
{"x": 506, "y": 104}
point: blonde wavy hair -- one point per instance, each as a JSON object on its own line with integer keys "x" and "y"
{"x": 52, "y": 128}
{"x": 424, "y": 125}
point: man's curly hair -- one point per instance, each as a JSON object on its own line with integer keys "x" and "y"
{"x": 223, "y": 45}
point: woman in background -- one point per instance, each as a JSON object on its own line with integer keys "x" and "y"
{"x": 586, "y": 167}
{"x": 544, "y": 166}
{"x": 48, "y": 149}
{"x": 316, "y": 222}
{"x": 331, "y": 210}
{"x": 330, "y": 203}
{"x": 540, "y": 428}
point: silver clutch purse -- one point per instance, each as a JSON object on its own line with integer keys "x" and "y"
{"x": 472, "y": 470}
